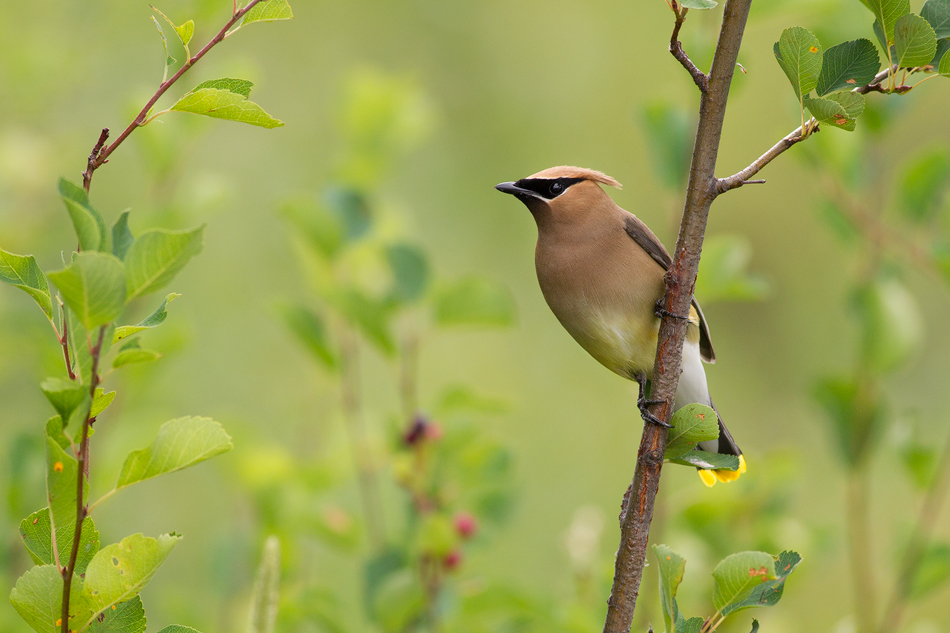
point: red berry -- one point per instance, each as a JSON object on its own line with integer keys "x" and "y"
{"x": 466, "y": 525}
{"x": 452, "y": 560}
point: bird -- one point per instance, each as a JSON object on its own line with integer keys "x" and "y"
{"x": 601, "y": 271}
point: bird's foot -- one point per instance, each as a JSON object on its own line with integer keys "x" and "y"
{"x": 643, "y": 404}
{"x": 661, "y": 312}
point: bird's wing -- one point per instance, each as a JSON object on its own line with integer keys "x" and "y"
{"x": 645, "y": 239}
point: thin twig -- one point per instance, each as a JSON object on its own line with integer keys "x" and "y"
{"x": 742, "y": 178}
{"x": 914, "y": 556}
{"x": 637, "y": 511}
{"x": 676, "y": 50}
{"x": 81, "y": 476}
{"x": 102, "y": 155}
{"x": 64, "y": 341}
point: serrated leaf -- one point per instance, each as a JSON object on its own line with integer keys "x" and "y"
{"x": 93, "y": 286}
{"x": 839, "y": 110}
{"x": 799, "y": 54}
{"x": 119, "y": 571}
{"x": 38, "y": 598}
{"x": 706, "y": 460}
{"x": 691, "y": 424}
{"x": 126, "y": 617}
{"x": 671, "y": 567}
{"x": 134, "y": 356}
{"x": 268, "y": 11}
{"x": 769, "y": 592}
{"x": 61, "y": 472}
{"x": 101, "y": 402}
{"x": 410, "y": 270}
{"x": 90, "y": 228}
{"x": 914, "y": 41}
{"x": 226, "y": 99}
{"x": 692, "y": 625}
{"x": 311, "y": 330}
{"x": 847, "y": 66}
{"x": 155, "y": 319}
{"x": 736, "y": 576}
{"x": 942, "y": 47}
{"x": 937, "y": 13}
{"x": 122, "y": 237}
{"x": 474, "y": 301}
{"x": 181, "y": 443}
{"x": 23, "y": 272}
{"x": 887, "y": 12}
{"x": 157, "y": 256}
{"x": 184, "y": 32}
{"x": 178, "y": 628}
{"x": 697, "y": 4}
{"x": 64, "y": 395}
{"x": 36, "y": 531}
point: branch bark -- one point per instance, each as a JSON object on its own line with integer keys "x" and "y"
{"x": 637, "y": 510}
{"x": 100, "y": 155}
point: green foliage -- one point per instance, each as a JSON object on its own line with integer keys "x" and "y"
{"x": 799, "y": 54}
{"x": 269, "y": 11}
{"x": 855, "y": 413}
{"x": 226, "y": 99}
{"x": 692, "y": 424}
{"x": 21, "y": 271}
{"x": 88, "y": 223}
{"x": 887, "y": 12}
{"x": 914, "y": 41}
{"x": 671, "y": 567}
{"x": 697, "y": 4}
{"x": 933, "y": 571}
{"x": 64, "y": 395}
{"x": 723, "y": 271}
{"x": 157, "y": 256}
{"x": 38, "y": 598}
{"x": 155, "y": 319}
{"x": 93, "y": 287}
{"x": 669, "y": 134}
{"x": 705, "y": 460}
{"x": 937, "y": 13}
{"x": 36, "y": 531}
{"x": 122, "y": 237}
{"x": 181, "y": 443}
{"x": 847, "y": 65}
{"x": 892, "y": 326}
{"x": 311, "y": 330}
{"x": 126, "y": 617}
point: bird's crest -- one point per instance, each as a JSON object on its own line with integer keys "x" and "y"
{"x": 567, "y": 171}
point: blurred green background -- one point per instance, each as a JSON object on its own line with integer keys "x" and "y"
{"x": 503, "y": 89}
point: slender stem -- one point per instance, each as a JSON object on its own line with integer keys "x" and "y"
{"x": 81, "y": 477}
{"x": 917, "y": 546}
{"x": 742, "y": 178}
{"x": 676, "y": 50}
{"x": 64, "y": 341}
{"x": 859, "y": 546}
{"x": 356, "y": 427}
{"x": 100, "y": 155}
{"x": 637, "y": 511}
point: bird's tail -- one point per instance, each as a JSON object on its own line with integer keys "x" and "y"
{"x": 724, "y": 445}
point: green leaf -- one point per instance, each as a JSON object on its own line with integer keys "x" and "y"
{"x": 799, "y": 54}
{"x": 351, "y": 209}
{"x": 839, "y": 110}
{"x": 410, "y": 270}
{"x": 122, "y": 237}
{"x": 920, "y": 460}
{"x": 264, "y": 599}
{"x": 886, "y": 12}
{"x": 178, "y": 628}
{"x": 134, "y": 356}
{"x": 153, "y": 320}
{"x": 914, "y": 41}
{"x": 857, "y": 417}
{"x": 268, "y": 11}
{"x": 474, "y": 301}
{"x": 37, "y": 534}
{"x": 157, "y": 256}
{"x": 61, "y": 472}
{"x": 64, "y": 395}
{"x": 879, "y": 34}
{"x": 932, "y": 572}
{"x": 312, "y": 332}
{"x": 93, "y": 286}
{"x": 101, "y": 402}
{"x": 119, "y": 571}
{"x": 319, "y": 227}
{"x": 736, "y": 576}
{"x": 184, "y": 32}
{"x": 944, "y": 67}
{"x": 892, "y": 326}
{"x": 923, "y": 183}
{"x": 942, "y": 47}
{"x": 755, "y": 626}
{"x": 937, "y": 13}
{"x": 706, "y": 460}
{"x": 369, "y": 315}
{"x": 90, "y": 228}
{"x": 698, "y": 4}
{"x": 848, "y": 65}
{"x": 226, "y": 99}
{"x": 723, "y": 271}
{"x": 769, "y": 592}
{"x": 691, "y": 424}
{"x": 23, "y": 272}
{"x": 181, "y": 443}
{"x": 399, "y": 601}
{"x": 169, "y": 60}
{"x": 671, "y": 567}
{"x": 38, "y": 598}
{"x": 127, "y": 617}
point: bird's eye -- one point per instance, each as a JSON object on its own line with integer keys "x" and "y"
{"x": 556, "y": 188}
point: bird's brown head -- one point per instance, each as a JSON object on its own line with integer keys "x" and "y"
{"x": 561, "y": 194}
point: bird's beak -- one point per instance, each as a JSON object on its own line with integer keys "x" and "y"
{"x": 515, "y": 190}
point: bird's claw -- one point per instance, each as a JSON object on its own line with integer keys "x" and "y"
{"x": 661, "y": 312}
{"x": 642, "y": 404}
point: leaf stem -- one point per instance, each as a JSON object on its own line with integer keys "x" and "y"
{"x": 82, "y": 475}
{"x": 100, "y": 155}
{"x": 64, "y": 341}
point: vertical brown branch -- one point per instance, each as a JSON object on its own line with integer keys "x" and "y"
{"x": 702, "y": 189}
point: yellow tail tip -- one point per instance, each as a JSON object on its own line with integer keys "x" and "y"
{"x": 710, "y": 477}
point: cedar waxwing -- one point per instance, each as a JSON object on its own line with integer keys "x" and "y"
{"x": 601, "y": 272}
